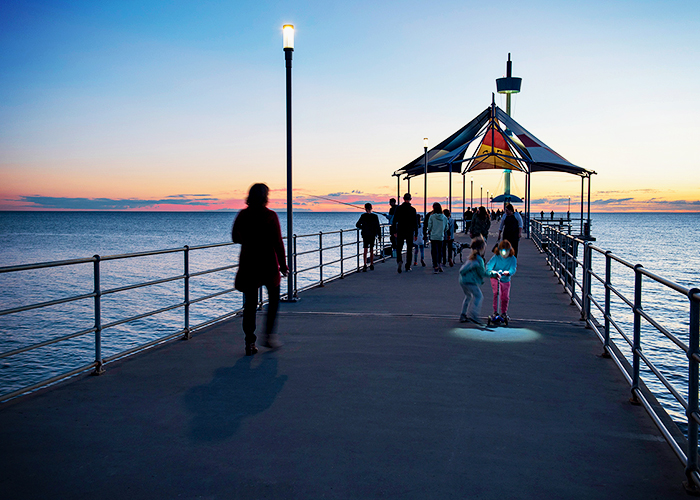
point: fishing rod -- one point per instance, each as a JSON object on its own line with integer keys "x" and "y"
{"x": 341, "y": 202}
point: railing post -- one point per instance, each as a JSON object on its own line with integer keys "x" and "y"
{"x": 320, "y": 258}
{"x": 99, "y": 368}
{"x": 586, "y": 284}
{"x": 296, "y": 273}
{"x": 608, "y": 284}
{"x": 381, "y": 243}
{"x": 693, "y": 351}
{"x": 357, "y": 231}
{"x": 188, "y": 334}
{"x": 342, "y": 275}
{"x": 637, "y": 343}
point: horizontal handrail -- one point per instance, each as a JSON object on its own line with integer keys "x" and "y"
{"x": 212, "y": 295}
{"x": 141, "y": 285}
{"x": 215, "y": 270}
{"x": 43, "y": 265}
{"x": 48, "y": 342}
{"x": 46, "y": 304}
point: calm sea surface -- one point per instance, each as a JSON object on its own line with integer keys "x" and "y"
{"x": 666, "y": 244}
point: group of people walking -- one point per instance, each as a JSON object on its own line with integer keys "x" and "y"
{"x": 407, "y": 227}
{"x": 262, "y": 258}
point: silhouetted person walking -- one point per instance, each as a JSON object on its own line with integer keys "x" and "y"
{"x": 262, "y": 260}
{"x": 406, "y": 222}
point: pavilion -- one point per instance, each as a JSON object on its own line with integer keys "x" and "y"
{"x": 494, "y": 140}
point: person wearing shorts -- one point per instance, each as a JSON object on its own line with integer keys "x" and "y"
{"x": 369, "y": 228}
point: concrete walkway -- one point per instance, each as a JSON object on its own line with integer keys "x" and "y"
{"x": 379, "y": 392}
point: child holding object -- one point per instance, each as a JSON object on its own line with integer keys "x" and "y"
{"x": 471, "y": 277}
{"x": 505, "y": 263}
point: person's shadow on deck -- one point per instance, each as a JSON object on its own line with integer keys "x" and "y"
{"x": 233, "y": 394}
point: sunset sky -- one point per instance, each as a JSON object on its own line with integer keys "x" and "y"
{"x": 180, "y": 105}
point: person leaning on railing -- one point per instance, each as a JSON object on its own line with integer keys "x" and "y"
{"x": 262, "y": 259}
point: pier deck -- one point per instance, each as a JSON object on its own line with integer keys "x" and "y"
{"x": 379, "y": 392}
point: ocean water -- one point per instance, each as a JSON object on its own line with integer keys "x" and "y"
{"x": 665, "y": 244}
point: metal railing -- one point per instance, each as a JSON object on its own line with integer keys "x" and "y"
{"x": 578, "y": 274}
{"x": 342, "y": 256}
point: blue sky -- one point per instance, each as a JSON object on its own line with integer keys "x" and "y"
{"x": 152, "y": 101}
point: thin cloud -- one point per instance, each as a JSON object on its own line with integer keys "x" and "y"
{"x": 611, "y": 201}
{"x": 64, "y": 203}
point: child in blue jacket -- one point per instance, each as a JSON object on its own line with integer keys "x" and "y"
{"x": 505, "y": 263}
{"x": 471, "y": 277}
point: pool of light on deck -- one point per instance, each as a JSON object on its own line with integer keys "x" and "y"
{"x": 494, "y": 334}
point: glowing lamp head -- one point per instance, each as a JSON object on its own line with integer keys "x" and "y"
{"x": 288, "y": 36}
{"x": 425, "y": 142}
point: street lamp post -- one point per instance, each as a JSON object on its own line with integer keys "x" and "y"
{"x": 471, "y": 202}
{"x": 425, "y": 177}
{"x": 481, "y": 196}
{"x": 288, "y": 42}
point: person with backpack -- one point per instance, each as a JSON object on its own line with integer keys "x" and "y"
{"x": 511, "y": 228}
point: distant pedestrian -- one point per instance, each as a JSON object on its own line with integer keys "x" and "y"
{"x": 406, "y": 224}
{"x": 447, "y": 249}
{"x": 471, "y": 277}
{"x": 511, "y": 227}
{"x": 541, "y": 214}
{"x": 261, "y": 261}
{"x": 419, "y": 244}
{"x": 370, "y": 229}
{"x": 551, "y": 215}
{"x": 480, "y": 224}
{"x": 505, "y": 263}
{"x": 436, "y": 231}
{"x": 392, "y": 226}
{"x": 467, "y": 219}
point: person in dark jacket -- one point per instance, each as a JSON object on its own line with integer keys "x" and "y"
{"x": 370, "y": 229}
{"x": 480, "y": 224}
{"x": 511, "y": 227}
{"x": 262, "y": 259}
{"x": 406, "y": 223}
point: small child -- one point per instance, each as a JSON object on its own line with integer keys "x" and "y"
{"x": 504, "y": 262}
{"x": 419, "y": 244}
{"x": 471, "y": 277}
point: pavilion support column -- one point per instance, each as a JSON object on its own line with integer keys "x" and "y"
{"x": 449, "y": 203}
{"x": 464, "y": 196}
{"x": 589, "y": 204}
{"x": 583, "y": 179}
{"x": 527, "y": 205}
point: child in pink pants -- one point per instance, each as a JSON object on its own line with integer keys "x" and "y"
{"x": 504, "y": 262}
